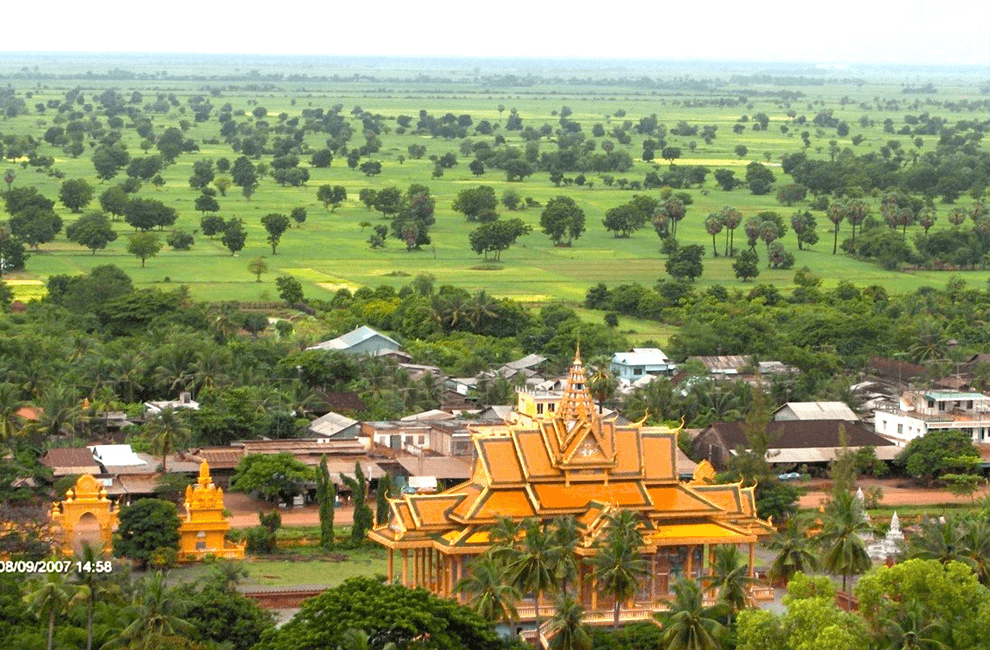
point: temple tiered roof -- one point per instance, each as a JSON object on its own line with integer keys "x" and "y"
{"x": 571, "y": 461}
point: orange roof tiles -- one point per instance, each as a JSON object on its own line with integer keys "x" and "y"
{"x": 557, "y": 496}
{"x": 677, "y": 499}
{"x": 431, "y": 510}
{"x": 503, "y": 503}
{"x": 658, "y": 457}
{"x": 534, "y": 456}
{"x": 500, "y": 459}
{"x": 629, "y": 453}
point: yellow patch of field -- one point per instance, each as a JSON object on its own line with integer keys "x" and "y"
{"x": 337, "y": 286}
{"x": 526, "y": 297}
{"x": 27, "y": 290}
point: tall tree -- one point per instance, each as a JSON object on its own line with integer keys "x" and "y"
{"x": 166, "y": 433}
{"x": 92, "y": 230}
{"x": 844, "y": 549}
{"x": 326, "y": 497}
{"x": 49, "y": 599}
{"x": 568, "y": 627}
{"x": 275, "y": 224}
{"x": 730, "y": 579}
{"x": 363, "y": 517}
{"x": 562, "y": 220}
{"x": 490, "y": 591}
{"x": 619, "y": 564}
{"x": 688, "y": 624}
{"x": 531, "y": 565}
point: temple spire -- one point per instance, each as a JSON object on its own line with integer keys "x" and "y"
{"x": 576, "y": 404}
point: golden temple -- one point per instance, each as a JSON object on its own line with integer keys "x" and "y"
{"x": 564, "y": 458}
{"x": 203, "y": 530}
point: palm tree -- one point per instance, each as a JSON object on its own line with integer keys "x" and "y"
{"x": 503, "y": 535}
{"x": 794, "y": 551}
{"x": 564, "y": 538}
{"x": 568, "y": 628}
{"x": 845, "y": 551}
{"x": 977, "y": 540}
{"x": 730, "y": 578}
{"x": 359, "y": 640}
{"x": 93, "y": 587}
{"x": 913, "y": 631}
{"x": 60, "y": 409}
{"x": 9, "y": 403}
{"x": 619, "y": 565}
{"x": 50, "y": 599}
{"x": 166, "y": 433}
{"x": 154, "y": 615}
{"x": 489, "y": 591}
{"x": 943, "y": 541}
{"x": 531, "y": 567}
{"x": 688, "y": 624}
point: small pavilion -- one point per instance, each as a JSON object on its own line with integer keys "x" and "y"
{"x": 204, "y": 529}
{"x": 566, "y": 459}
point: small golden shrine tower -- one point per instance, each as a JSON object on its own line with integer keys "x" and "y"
{"x": 85, "y": 502}
{"x": 204, "y": 529}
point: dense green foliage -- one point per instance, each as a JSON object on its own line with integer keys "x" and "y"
{"x": 145, "y": 528}
{"x": 386, "y": 613}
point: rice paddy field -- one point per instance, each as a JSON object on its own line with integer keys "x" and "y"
{"x": 331, "y": 251}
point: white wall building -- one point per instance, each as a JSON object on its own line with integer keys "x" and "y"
{"x": 921, "y": 412}
{"x": 639, "y": 362}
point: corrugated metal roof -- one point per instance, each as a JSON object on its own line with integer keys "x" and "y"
{"x": 819, "y": 411}
{"x": 117, "y": 456}
{"x": 441, "y": 467}
{"x": 641, "y": 357}
{"x": 352, "y": 338}
{"x": 954, "y": 395}
{"x": 331, "y": 424}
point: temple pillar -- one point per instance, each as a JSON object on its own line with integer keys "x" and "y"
{"x": 405, "y": 568}
{"x": 752, "y": 559}
{"x": 653, "y": 577}
{"x": 391, "y": 564}
{"x": 594, "y": 592}
{"x": 689, "y": 565}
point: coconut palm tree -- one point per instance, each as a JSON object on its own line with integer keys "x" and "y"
{"x": 359, "y": 640}
{"x": 166, "y": 432}
{"x": 688, "y": 624}
{"x": 564, "y": 538}
{"x": 977, "y": 540}
{"x": 730, "y": 578}
{"x": 913, "y": 631}
{"x": 93, "y": 587}
{"x": 50, "y": 598}
{"x": 9, "y": 403}
{"x": 619, "y": 565}
{"x": 154, "y": 617}
{"x": 532, "y": 565}
{"x": 793, "y": 551}
{"x": 489, "y": 590}
{"x": 845, "y": 551}
{"x": 946, "y": 542}
{"x": 568, "y": 628}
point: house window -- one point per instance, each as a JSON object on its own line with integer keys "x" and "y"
{"x": 637, "y": 371}
{"x": 969, "y": 405}
{"x": 900, "y": 428}
{"x": 420, "y": 440}
{"x": 539, "y": 408}
{"x": 931, "y": 403}
{"x": 941, "y": 406}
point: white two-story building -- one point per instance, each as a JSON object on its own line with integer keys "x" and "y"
{"x": 639, "y": 362}
{"x": 921, "y": 412}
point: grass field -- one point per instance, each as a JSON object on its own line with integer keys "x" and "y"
{"x": 330, "y": 250}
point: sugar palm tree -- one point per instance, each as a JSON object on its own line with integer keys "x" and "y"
{"x": 730, "y": 578}
{"x": 845, "y": 551}
{"x": 489, "y": 590}
{"x": 568, "y": 628}
{"x": 793, "y": 551}
{"x": 619, "y": 565}
{"x": 49, "y": 599}
{"x": 532, "y": 565}
{"x": 167, "y": 432}
{"x": 688, "y": 624}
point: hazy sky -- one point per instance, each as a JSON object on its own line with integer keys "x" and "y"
{"x": 840, "y": 31}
